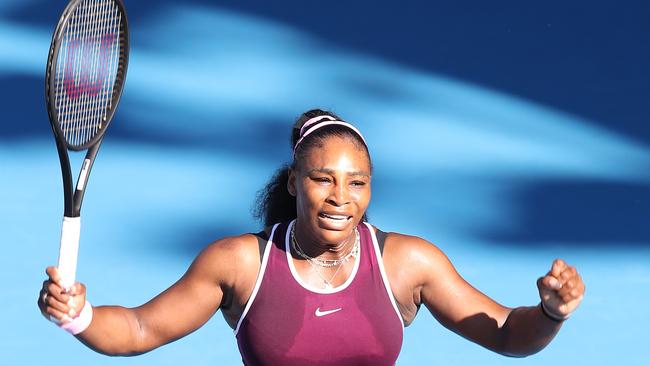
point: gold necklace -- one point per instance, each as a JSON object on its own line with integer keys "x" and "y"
{"x": 327, "y": 263}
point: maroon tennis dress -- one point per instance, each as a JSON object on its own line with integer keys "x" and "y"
{"x": 287, "y": 322}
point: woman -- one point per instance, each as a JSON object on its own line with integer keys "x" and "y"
{"x": 319, "y": 285}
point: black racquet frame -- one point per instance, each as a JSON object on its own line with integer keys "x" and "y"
{"x": 86, "y": 116}
{"x": 73, "y": 197}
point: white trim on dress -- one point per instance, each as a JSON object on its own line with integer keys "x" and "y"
{"x": 384, "y": 277}
{"x": 260, "y": 276}
{"x": 306, "y": 286}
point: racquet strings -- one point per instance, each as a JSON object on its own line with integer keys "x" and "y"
{"x": 87, "y": 70}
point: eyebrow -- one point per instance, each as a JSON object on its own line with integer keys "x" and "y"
{"x": 333, "y": 172}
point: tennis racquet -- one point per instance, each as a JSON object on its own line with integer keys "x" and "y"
{"x": 85, "y": 74}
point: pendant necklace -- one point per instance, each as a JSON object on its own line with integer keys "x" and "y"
{"x": 325, "y": 263}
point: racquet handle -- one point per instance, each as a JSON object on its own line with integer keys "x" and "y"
{"x": 68, "y": 250}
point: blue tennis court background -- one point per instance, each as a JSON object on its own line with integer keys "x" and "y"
{"x": 506, "y": 133}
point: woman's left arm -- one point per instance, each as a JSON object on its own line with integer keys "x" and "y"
{"x": 527, "y": 330}
{"x": 465, "y": 310}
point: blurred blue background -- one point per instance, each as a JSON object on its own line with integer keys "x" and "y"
{"x": 508, "y": 133}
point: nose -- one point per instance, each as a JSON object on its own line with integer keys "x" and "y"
{"x": 339, "y": 195}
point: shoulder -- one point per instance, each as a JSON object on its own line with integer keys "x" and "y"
{"x": 410, "y": 246}
{"x": 242, "y": 247}
{"x": 229, "y": 259}
{"x": 411, "y": 255}
{"x": 411, "y": 263}
{"x": 413, "y": 247}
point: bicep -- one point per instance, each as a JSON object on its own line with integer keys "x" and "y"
{"x": 456, "y": 304}
{"x": 187, "y": 304}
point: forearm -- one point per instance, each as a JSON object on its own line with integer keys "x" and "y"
{"x": 115, "y": 331}
{"x": 526, "y": 331}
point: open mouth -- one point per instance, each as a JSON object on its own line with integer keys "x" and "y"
{"x": 335, "y": 218}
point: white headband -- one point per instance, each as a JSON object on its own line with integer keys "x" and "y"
{"x": 316, "y": 126}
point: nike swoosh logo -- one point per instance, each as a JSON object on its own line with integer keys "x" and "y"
{"x": 326, "y": 312}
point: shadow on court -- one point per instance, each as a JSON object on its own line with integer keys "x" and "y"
{"x": 589, "y": 59}
{"x": 584, "y": 213}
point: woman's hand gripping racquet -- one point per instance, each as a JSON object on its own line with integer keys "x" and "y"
{"x": 85, "y": 74}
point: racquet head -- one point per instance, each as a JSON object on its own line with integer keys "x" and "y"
{"x": 86, "y": 70}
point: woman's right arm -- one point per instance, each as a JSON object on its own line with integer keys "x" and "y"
{"x": 174, "y": 313}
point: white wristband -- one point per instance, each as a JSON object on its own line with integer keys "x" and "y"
{"x": 80, "y": 323}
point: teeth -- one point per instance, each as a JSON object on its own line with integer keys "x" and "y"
{"x": 335, "y": 217}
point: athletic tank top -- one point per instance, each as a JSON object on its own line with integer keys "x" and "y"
{"x": 287, "y": 322}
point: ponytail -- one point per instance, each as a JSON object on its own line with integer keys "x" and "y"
{"x": 274, "y": 203}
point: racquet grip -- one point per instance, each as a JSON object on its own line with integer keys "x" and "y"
{"x": 68, "y": 250}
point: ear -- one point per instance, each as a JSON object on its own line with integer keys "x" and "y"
{"x": 291, "y": 182}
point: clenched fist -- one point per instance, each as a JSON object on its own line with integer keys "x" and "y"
{"x": 561, "y": 290}
{"x": 58, "y": 304}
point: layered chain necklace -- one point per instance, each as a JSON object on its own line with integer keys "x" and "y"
{"x": 325, "y": 263}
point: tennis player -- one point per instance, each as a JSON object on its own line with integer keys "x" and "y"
{"x": 319, "y": 285}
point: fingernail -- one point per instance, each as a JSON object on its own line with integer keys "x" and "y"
{"x": 72, "y": 313}
{"x": 66, "y": 318}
